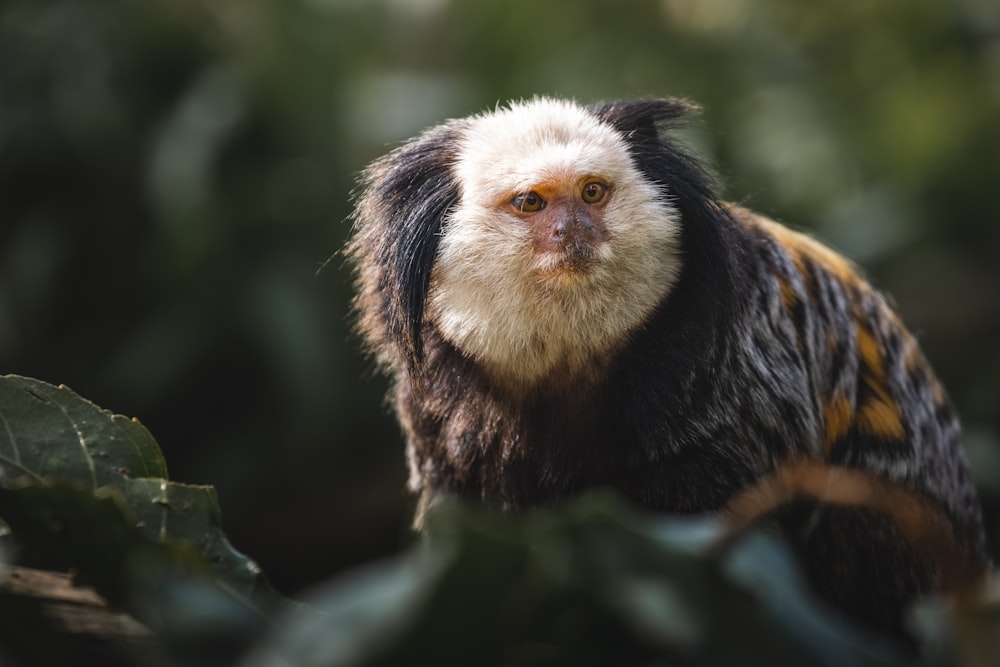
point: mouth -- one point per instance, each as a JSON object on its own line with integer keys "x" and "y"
{"x": 572, "y": 264}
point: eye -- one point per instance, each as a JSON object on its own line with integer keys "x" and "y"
{"x": 594, "y": 192}
{"x": 528, "y": 203}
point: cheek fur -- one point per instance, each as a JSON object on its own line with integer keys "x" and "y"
{"x": 483, "y": 248}
{"x": 491, "y": 297}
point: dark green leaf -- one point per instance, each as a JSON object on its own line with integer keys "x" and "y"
{"x": 51, "y": 432}
{"x": 85, "y": 490}
{"x": 67, "y": 527}
{"x": 167, "y": 585}
{"x": 190, "y": 513}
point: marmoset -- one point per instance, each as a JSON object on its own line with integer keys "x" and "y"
{"x": 563, "y": 302}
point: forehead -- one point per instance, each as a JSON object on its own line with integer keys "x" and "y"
{"x": 537, "y": 142}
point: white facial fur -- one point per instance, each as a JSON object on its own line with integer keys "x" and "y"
{"x": 491, "y": 295}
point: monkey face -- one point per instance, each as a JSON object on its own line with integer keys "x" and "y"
{"x": 556, "y": 247}
{"x": 566, "y": 225}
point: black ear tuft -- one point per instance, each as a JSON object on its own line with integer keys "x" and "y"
{"x": 644, "y": 126}
{"x": 405, "y": 198}
{"x": 707, "y": 293}
{"x": 642, "y": 117}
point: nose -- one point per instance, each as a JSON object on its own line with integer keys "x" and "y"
{"x": 572, "y": 227}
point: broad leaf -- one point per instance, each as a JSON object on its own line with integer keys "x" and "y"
{"x": 167, "y": 585}
{"x": 51, "y": 435}
{"x": 190, "y": 513}
{"x": 51, "y": 432}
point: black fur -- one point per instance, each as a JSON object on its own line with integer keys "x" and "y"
{"x": 413, "y": 203}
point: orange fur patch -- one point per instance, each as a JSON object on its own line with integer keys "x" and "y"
{"x": 788, "y": 296}
{"x": 878, "y": 415}
{"x": 882, "y": 419}
{"x": 837, "y": 414}
{"x": 801, "y": 246}
{"x": 920, "y": 521}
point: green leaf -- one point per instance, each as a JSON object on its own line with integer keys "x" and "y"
{"x": 68, "y": 527}
{"x": 55, "y": 445}
{"x": 167, "y": 585}
{"x": 190, "y": 513}
{"x": 51, "y": 432}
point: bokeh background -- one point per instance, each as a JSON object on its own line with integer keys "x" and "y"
{"x": 175, "y": 176}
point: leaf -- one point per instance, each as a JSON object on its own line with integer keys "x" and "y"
{"x": 167, "y": 585}
{"x": 51, "y": 432}
{"x": 68, "y": 527}
{"x": 588, "y": 583}
{"x": 190, "y": 513}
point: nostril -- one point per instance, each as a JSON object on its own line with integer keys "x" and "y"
{"x": 559, "y": 231}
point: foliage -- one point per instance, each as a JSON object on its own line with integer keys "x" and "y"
{"x": 589, "y": 583}
{"x": 85, "y": 490}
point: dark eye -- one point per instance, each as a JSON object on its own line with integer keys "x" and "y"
{"x": 594, "y": 192}
{"x": 528, "y": 203}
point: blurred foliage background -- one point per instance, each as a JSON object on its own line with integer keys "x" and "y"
{"x": 175, "y": 174}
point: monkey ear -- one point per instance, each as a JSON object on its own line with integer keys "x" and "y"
{"x": 644, "y": 125}
{"x": 405, "y": 198}
{"x": 640, "y": 119}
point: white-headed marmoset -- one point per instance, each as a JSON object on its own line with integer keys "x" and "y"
{"x": 563, "y": 302}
